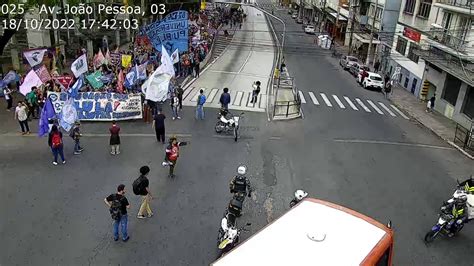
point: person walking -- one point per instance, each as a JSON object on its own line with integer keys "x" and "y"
{"x": 141, "y": 186}
{"x": 197, "y": 68}
{"x": 55, "y": 141}
{"x": 174, "y": 106}
{"x": 32, "y": 100}
{"x": 431, "y": 103}
{"x": 118, "y": 205}
{"x": 255, "y": 92}
{"x": 179, "y": 94}
{"x": 172, "y": 154}
{"x": 200, "y": 105}
{"x": 22, "y": 117}
{"x": 7, "y": 92}
{"x": 159, "y": 126}
{"x": 76, "y": 136}
{"x": 114, "y": 138}
{"x": 225, "y": 99}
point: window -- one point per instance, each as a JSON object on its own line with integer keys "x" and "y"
{"x": 401, "y": 45}
{"x": 406, "y": 82}
{"x": 409, "y": 6}
{"x": 378, "y": 14}
{"x": 425, "y": 8}
{"x": 411, "y": 55}
{"x": 451, "y": 89}
{"x": 468, "y": 106}
{"x": 413, "y": 85}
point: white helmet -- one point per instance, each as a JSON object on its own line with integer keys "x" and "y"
{"x": 241, "y": 170}
{"x": 300, "y": 194}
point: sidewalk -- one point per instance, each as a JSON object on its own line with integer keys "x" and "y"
{"x": 434, "y": 121}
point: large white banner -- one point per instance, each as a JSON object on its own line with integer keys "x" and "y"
{"x": 31, "y": 80}
{"x": 99, "y": 106}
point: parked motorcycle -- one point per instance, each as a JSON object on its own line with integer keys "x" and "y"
{"x": 229, "y": 233}
{"x": 299, "y": 196}
{"x": 446, "y": 219}
{"x": 228, "y": 123}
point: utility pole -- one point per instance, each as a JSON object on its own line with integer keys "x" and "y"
{"x": 372, "y": 32}
{"x": 352, "y": 18}
{"x": 323, "y": 19}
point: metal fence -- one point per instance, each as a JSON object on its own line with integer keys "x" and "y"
{"x": 464, "y": 138}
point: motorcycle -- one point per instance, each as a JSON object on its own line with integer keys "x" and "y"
{"x": 299, "y": 196}
{"x": 228, "y": 123}
{"x": 446, "y": 219}
{"x": 229, "y": 233}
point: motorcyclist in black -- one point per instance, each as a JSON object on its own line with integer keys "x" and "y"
{"x": 460, "y": 214}
{"x": 240, "y": 184}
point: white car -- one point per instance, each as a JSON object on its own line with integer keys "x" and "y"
{"x": 374, "y": 80}
{"x": 309, "y": 29}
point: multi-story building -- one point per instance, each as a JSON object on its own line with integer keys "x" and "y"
{"x": 435, "y": 50}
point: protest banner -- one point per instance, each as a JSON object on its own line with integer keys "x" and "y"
{"x": 79, "y": 66}
{"x": 34, "y": 57}
{"x": 29, "y": 82}
{"x": 126, "y": 60}
{"x": 95, "y": 80}
{"x": 171, "y": 32}
{"x": 100, "y": 106}
{"x": 64, "y": 80}
{"x": 43, "y": 74}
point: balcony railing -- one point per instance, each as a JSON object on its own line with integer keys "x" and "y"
{"x": 447, "y": 38}
{"x": 459, "y": 3}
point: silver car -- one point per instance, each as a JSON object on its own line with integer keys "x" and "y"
{"x": 347, "y": 61}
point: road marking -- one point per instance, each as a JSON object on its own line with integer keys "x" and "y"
{"x": 338, "y": 101}
{"x": 263, "y": 101}
{"x": 386, "y": 109}
{"x": 313, "y": 98}
{"x": 249, "y": 104}
{"x": 237, "y": 73}
{"x": 326, "y": 100}
{"x": 188, "y": 92}
{"x": 375, "y": 107}
{"x": 393, "y": 143}
{"x": 238, "y": 98}
{"x": 350, "y": 103}
{"x": 303, "y": 100}
{"x": 213, "y": 94}
{"x": 363, "y": 105}
{"x": 400, "y": 112}
{"x": 103, "y": 135}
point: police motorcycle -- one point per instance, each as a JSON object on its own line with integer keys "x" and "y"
{"x": 447, "y": 223}
{"x": 228, "y": 123}
{"x": 299, "y": 196}
{"x": 229, "y": 232}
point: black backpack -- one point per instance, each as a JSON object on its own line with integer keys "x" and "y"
{"x": 115, "y": 211}
{"x": 137, "y": 186}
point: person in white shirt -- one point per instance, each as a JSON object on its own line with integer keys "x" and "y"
{"x": 8, "y": 97}
{"x": 22, "y": 116}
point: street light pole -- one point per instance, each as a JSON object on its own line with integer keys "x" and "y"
{"x": 372, "y": 32}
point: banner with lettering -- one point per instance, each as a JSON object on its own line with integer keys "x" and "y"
{"x": 171, "y": 32}
{"x": 64, "y": 80}
{"x": 43, "y": 74}
{"x": 100, "y": 106}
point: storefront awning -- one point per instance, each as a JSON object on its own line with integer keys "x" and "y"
{"x": 365, "y": 38}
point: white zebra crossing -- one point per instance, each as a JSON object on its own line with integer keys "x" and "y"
{"x": 338, "y": 102}
{"x": 326, "y": 100}
{"x": 359, "y": 101}
{"x": 313, "y": 98}
{"x": 375, "y": 107}
{"x": 303, "y": 100}
{"x": 399, "y": 112}
{"x": 350, "y": 103}
{"x": 386, "y": 109}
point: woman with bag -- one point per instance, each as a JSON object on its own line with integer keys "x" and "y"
{"x": 55, "y": 141}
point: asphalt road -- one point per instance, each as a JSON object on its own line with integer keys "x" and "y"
{"x": 387, "y": 168}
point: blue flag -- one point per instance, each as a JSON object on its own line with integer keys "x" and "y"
{"x": 47, "y": 113}
{"x": 74, "y": 89}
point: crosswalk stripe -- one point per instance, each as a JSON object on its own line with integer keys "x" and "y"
{"x": 249, "y": 104}
{"x": 338, "y": 101}
{"x": 326, "y": 100}
{"x": 350, "y": 103}
{"x": 375, "y": 107}
{"x": 363, "y": 105}
{"x": 213, "y": 94}
{"x": 238, "y": 98}
{"x": 262, "y": 101}
{"x": 245, "y": 99}
{"x": 188, "y": 92}
{"x": 303, "y": 100}
{"x": 313, "y": 98}
{"x": 400, "y": 112}
{"x": 386, "y": 109}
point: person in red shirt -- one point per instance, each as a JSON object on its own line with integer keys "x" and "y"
{"x": 172, "y": 154}
{"x": 114, "y": 139}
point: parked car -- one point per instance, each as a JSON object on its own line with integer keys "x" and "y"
{"x": 299, "y": 20}
{"x": 357, "y": 68}
{"x": 374, "y": 81}
{"x": 294, "y": 15}
{"x": 346, "y": 61}
{"x": 309, "y": 29}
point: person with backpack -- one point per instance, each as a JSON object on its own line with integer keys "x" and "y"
{"x": 76, "y": 136}
{"x": 172, "y": 154}
{"x": 55, "y": 141}
{"x": 118, "y": 205}
{"x": 140, "y": 187}
{"x": 200, "y": 104}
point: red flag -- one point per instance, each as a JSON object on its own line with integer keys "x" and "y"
{"x": 120, "y": 81}
{"x": 64, "y": 80}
